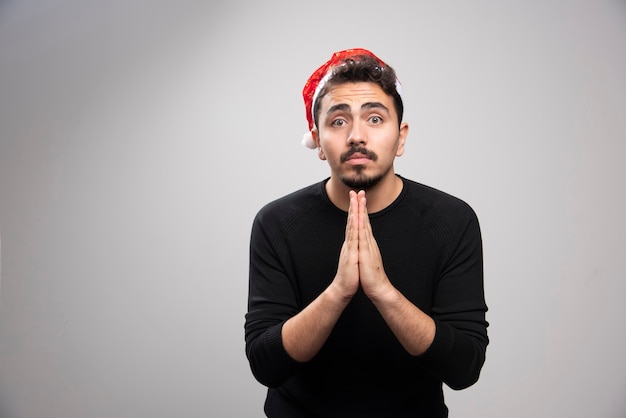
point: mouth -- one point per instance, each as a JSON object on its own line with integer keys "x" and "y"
{"x": 358, "y": 156}
{"x": 357, "y": 159}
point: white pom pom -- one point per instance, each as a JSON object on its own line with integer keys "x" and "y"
{"x": 307, "y": 141}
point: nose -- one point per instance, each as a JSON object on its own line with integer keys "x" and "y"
{"x": 357, "y": 134}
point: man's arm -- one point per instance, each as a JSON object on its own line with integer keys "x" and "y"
{"x": 451, "y": 343}
{"x": 305, "y": 333}
{"x": 413, "y": 328}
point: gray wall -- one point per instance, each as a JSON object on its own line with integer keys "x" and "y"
{"x": 139, "y": 138}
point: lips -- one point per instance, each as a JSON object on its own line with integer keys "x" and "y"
{"x": 358, "y": 155}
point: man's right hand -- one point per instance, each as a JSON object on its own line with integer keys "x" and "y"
{"x": 346, "y": 281}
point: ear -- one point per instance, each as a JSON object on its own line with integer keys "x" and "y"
{"x": 316, "y": 138}
{"x": 404, "y": 132}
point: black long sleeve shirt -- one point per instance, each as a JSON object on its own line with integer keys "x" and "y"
{"x": 432, "y": 252}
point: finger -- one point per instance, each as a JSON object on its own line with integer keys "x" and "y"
{"x": 366, "y": 236}
{"x": 360, "y": 198}
{"x": 352, "y": 222}
{"x": 363, "y": 218}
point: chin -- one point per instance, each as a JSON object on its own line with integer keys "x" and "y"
{"x": 360, "y": 181}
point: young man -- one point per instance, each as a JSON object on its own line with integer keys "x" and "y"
{"x": 366, "y": 289}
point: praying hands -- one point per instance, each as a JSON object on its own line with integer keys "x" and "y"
{"x": 360, "y": 261}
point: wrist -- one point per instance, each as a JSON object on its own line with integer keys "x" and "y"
{"x": 384, "y": 294}
{"x": 337, "y": 294}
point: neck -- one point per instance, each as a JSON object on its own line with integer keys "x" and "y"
{"x": 378, "y": 197}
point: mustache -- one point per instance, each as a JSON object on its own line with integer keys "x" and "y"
{"x": 358, "y": 150}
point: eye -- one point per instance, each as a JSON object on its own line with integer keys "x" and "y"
{"x": 376, "y": 119}
{"x": 338, "y": 122}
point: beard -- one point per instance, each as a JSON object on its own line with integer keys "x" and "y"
{"x": 357, "y": 179}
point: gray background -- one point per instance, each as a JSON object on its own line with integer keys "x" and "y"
{"x": 139, "y": 138}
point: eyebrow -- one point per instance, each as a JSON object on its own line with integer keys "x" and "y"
{"x": 375, "y": 105}
{"x": 345, "y": 107}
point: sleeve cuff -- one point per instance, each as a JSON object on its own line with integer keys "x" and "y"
{"x": 442, "y": 344}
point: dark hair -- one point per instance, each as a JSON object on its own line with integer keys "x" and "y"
{"x": 357, "y": 69}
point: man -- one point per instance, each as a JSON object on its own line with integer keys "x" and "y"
{"x": 366, "y": 289}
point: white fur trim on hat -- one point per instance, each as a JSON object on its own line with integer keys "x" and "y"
{"x": 307, "y": 140}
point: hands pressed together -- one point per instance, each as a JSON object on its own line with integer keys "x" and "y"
{"x": 360, "y": 261}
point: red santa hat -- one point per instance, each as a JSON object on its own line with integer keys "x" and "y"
{"x": 318, "y": 79}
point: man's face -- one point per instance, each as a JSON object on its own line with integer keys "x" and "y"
{"x": 358, "y": 134}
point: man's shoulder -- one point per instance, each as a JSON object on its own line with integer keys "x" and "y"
{"x": 297, "y": 197}
{"x": 294, "y": 202}
{"x": 429, "y": 199}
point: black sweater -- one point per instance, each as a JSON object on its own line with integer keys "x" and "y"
{"x": 432, "y": 252}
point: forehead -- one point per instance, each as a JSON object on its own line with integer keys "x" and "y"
{"x": 355, "y": 94}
